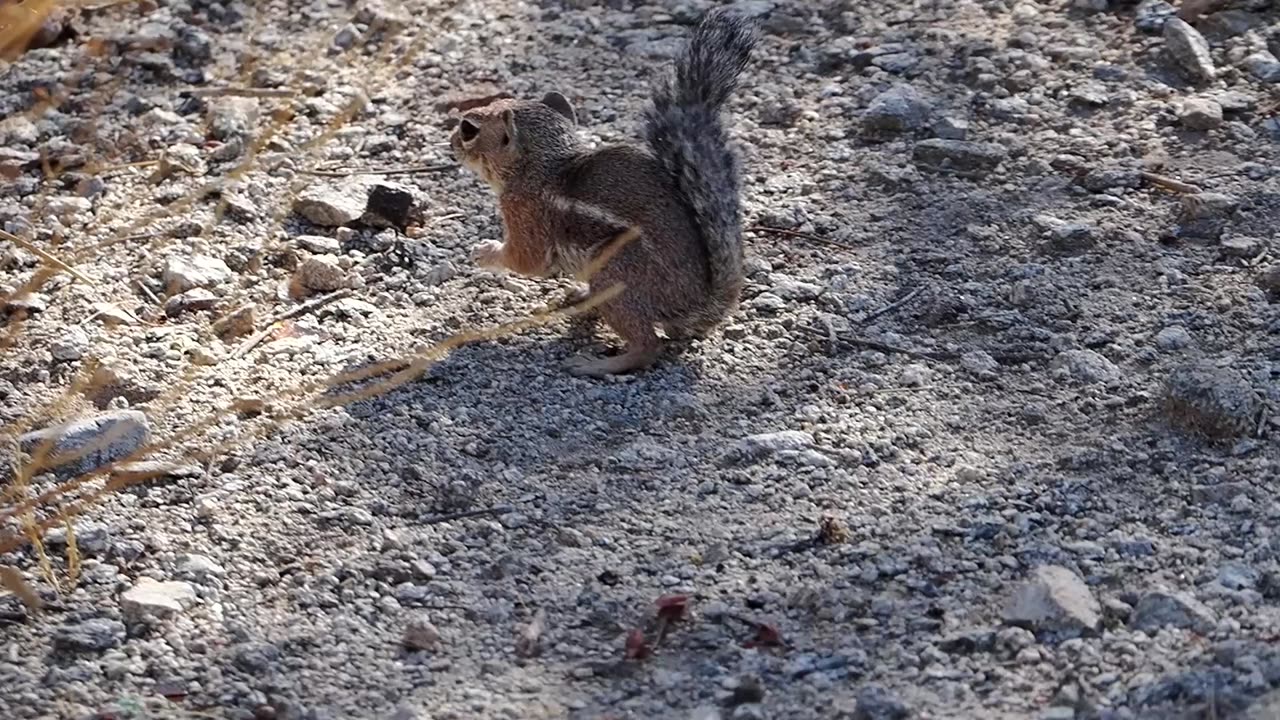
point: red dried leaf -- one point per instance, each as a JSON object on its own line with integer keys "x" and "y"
{"x": 672, "y": 607}
{"x": 636, "y": 647}
{"x": 767, "y": 636}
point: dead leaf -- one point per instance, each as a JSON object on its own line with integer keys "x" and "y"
{"x": 767, "y": 635}
{"x": 636, "y": 647}
{"x": 672, "y": 607}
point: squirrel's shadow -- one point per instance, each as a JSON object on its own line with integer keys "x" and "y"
{"x": 527, "y": 407}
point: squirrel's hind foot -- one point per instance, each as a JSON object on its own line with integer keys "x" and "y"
{"x": 629, "y": 361}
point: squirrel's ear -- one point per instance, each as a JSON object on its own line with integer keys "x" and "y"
{"x": 509, "y": 120}
{"x": 560, "y": 104}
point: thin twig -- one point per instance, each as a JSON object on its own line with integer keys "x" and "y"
{"x": 306, "y": 307}
{"x": 437, "y": 519}
{"x": 893, "y": 305}
{"x": 802, "y": 235}
{"x": 379, "y": 171}
{"x": 894, "y": 390}
{"x": 139, "y": 236}
{"x": 225, "y": 91}
{"x": 44, "y": 255}
{"x": 108, "y": 169}
{"x": 858, "y": 341}
{"x": 147, "y": 291}
{"x": 1169, "y": 183}
{"x": 106, "y": 5}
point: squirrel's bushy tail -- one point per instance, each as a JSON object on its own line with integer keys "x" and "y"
{"x": 684, "y": 131}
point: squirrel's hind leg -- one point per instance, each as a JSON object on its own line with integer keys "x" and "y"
{"x": 642, "y": 344}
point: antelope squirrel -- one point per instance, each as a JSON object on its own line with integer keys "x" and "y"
{"x": 677, "y": 197}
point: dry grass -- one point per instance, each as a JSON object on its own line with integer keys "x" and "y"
{"x": 34, "y": 512}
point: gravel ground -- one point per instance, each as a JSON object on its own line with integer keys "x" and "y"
{"x": 992, "y": 436}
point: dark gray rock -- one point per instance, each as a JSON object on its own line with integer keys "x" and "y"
{"x": 255, "y": 658}
{"x": 1172, "y": 609}
{"x": 391, "y": 205}
{"x": 1264, "y": 66}
{"x": 94, "y": 635}
{"x": 876, "y": 702}
{"x": 963, "y": 157}
{"x": 90, "y": 443}
{"x": 1209, "y": 400}
{"x": 1151, "y": 16}
{"x": 1110, "y": 178}
{"x": 899, "y": 109}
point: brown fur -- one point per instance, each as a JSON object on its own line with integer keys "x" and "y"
{"x": 561, "y": 204}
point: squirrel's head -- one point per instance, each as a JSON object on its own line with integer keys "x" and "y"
{"x": 496, "y": 140}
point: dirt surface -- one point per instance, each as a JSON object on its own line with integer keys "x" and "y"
{"x": 992, "y": 436}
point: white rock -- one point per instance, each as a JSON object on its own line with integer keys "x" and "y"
{"x": 159, "y": 599}
{"x": 1085, "y": 366}
{"x": 199, "y": 271}
{"x": 331, "y": 206}
{"x": 1054, "y": 599}
{"x": 765, "y": 444}
{"x": 199, "y": 567}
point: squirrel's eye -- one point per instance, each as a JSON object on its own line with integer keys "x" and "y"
{"x": 469, "y": 130}
{"x": 506, "y": 139}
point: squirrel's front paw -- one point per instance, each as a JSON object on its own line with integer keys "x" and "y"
{"x": 488, "y": 254}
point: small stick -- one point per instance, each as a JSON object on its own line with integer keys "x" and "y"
{"x": 802, "y": 235}
{"x": 106, "y": 5}
{"x": 306, "y": 307}
{"x": 1169, "y": 183}
{"x": 106, "y": 169}
{"x": 437, "y": 519}
{"x": 147, "y": 291}
{"x": 870, "y": 344}
{"x": 43, "y": 255}
{"x": 895, "y": 390}
{"x": 139, "y": 236}
{"x": 892, "y": 306}
{"x": 241, "y": 92}
{"x": 379, "y": 171}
